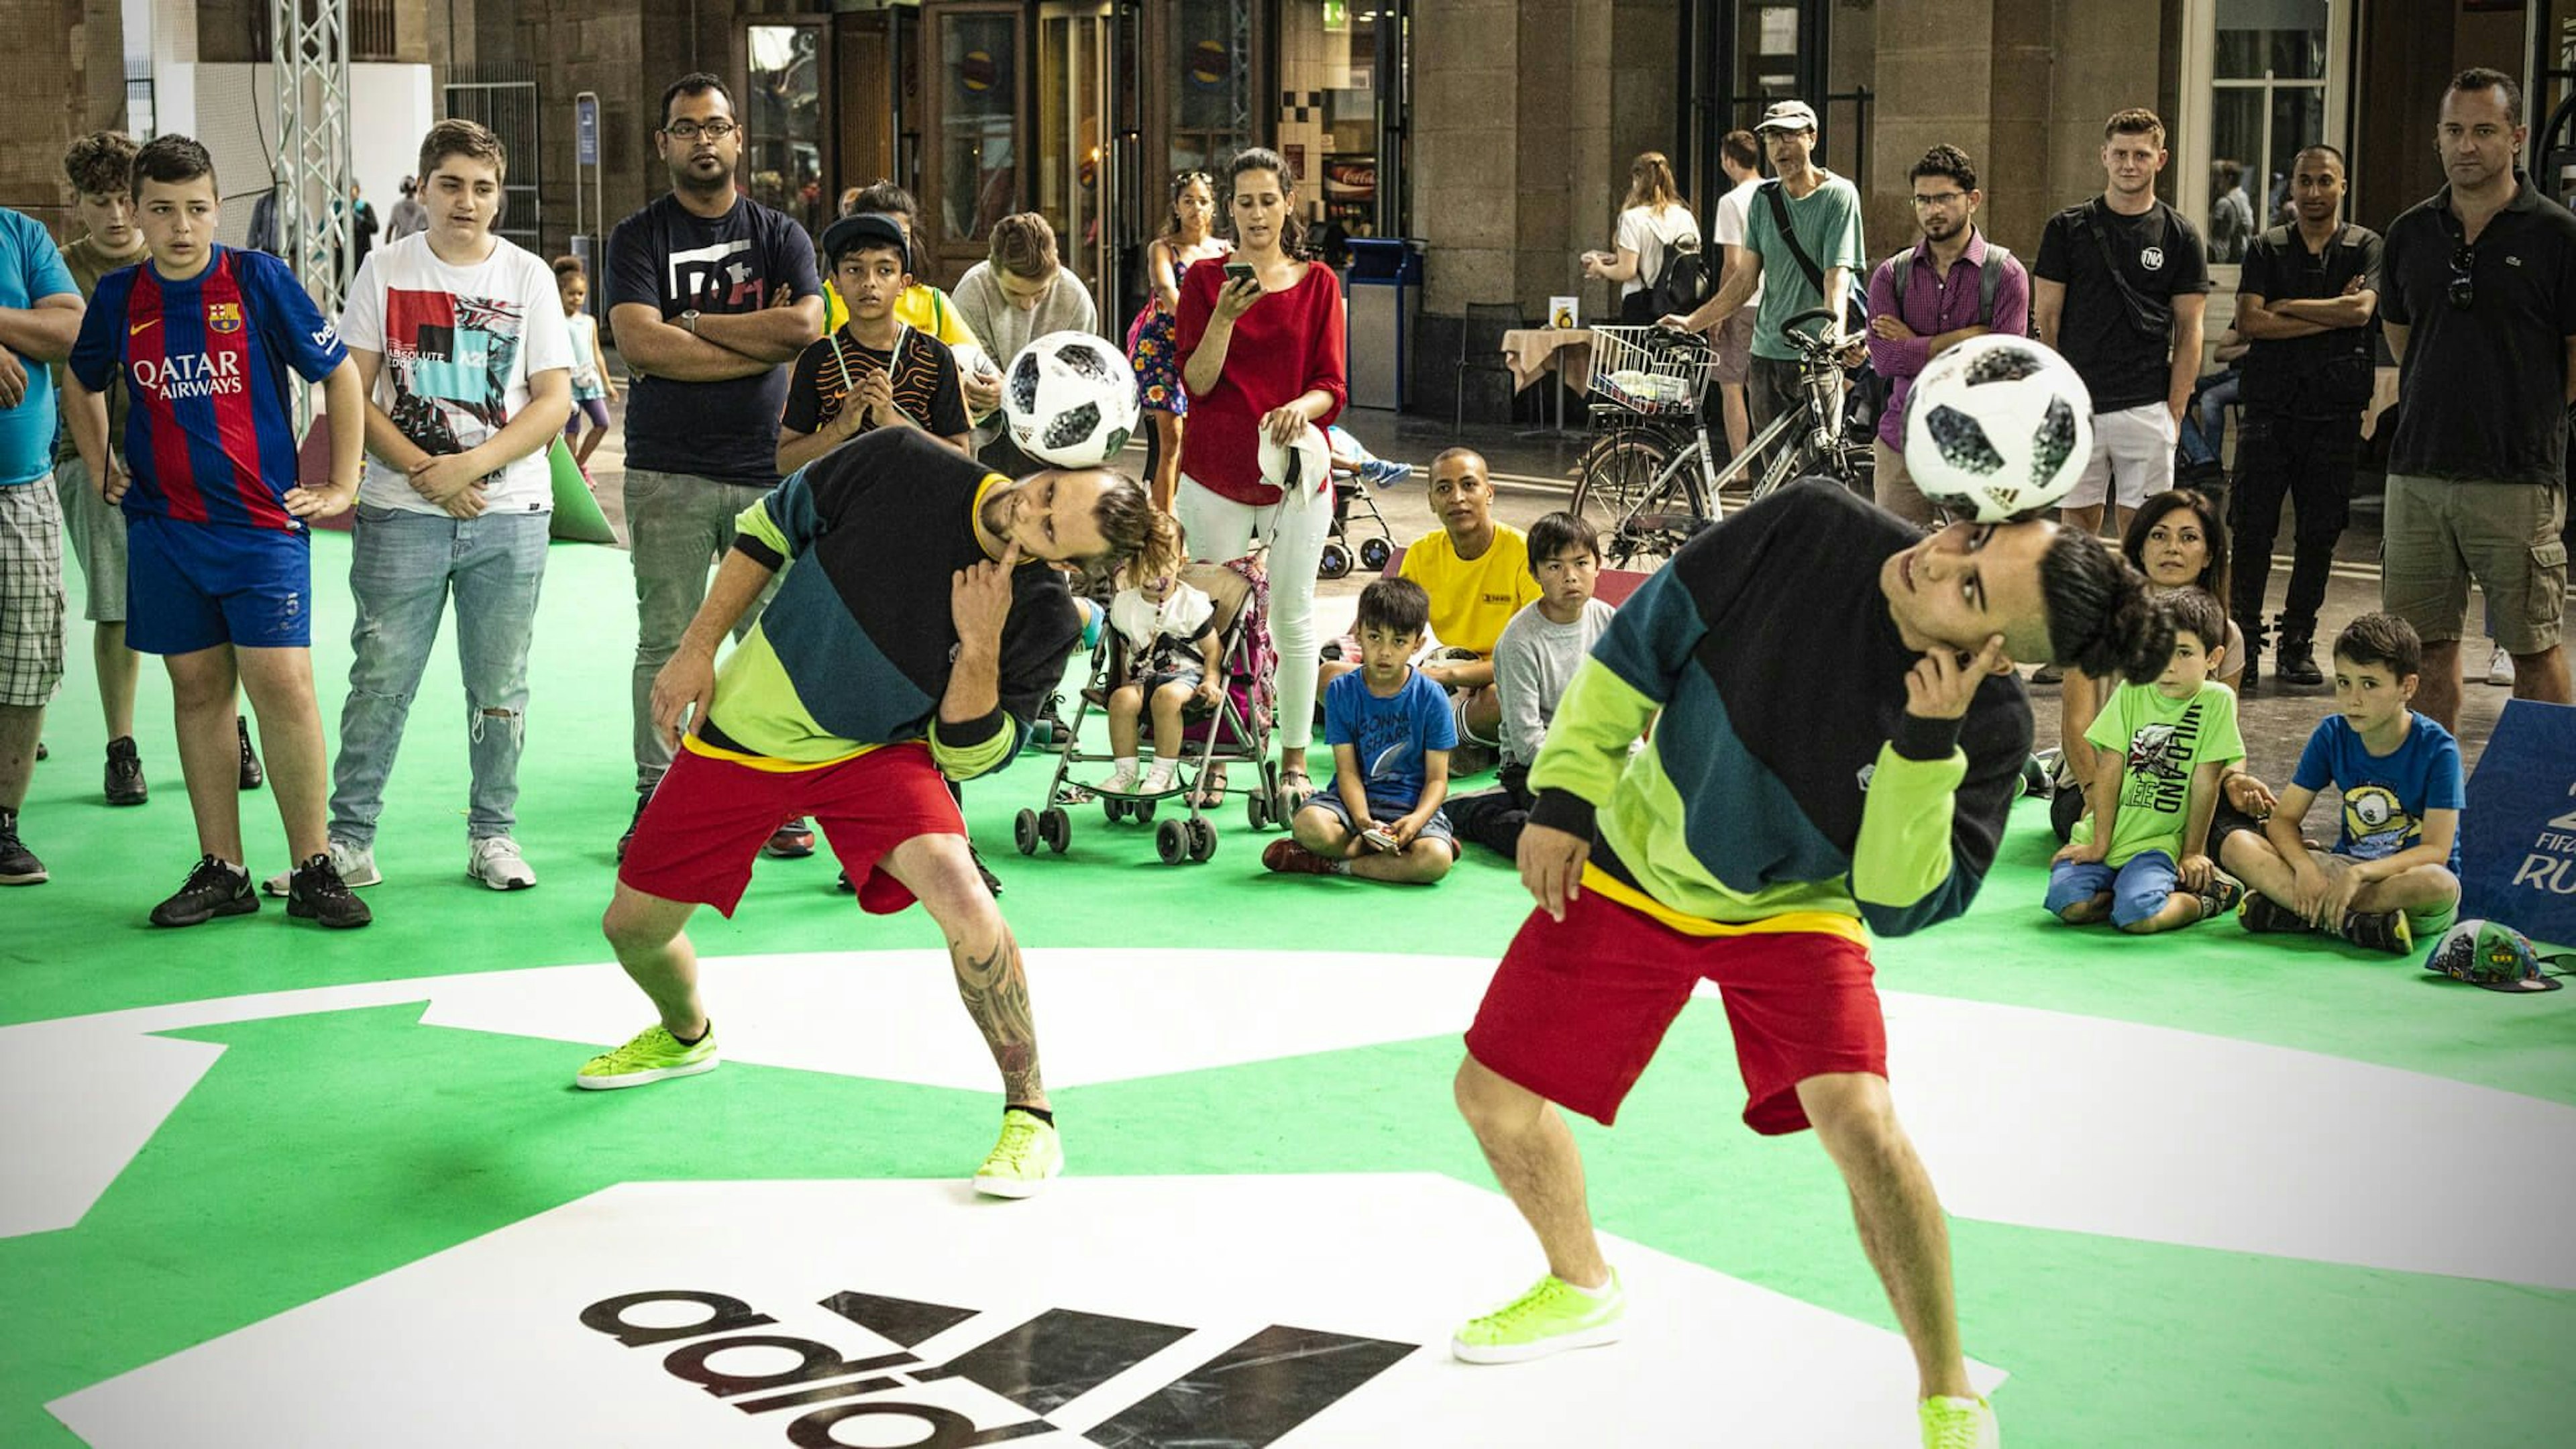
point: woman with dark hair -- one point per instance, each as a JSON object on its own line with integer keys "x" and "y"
{"x": 1261, "y": 355}
{"x": 1188, "y": 237}
{"x": 2178, "y": 541}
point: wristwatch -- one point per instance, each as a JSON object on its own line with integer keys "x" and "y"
{"x": 689, "y": 319}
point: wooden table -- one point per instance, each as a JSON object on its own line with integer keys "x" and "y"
{"x": 1533, "y": 352}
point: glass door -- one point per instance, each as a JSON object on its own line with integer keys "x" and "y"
{"x": 971, "y": 178}
{"x": 1077, "y": 175}
{"x": 784, "y": 123}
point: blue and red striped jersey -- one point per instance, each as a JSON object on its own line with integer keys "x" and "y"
{"x": 210, "y": 437}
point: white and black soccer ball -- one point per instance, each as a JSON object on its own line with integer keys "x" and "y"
{"x": 1997, "y": 428}
{"x": 1070, "y": 399}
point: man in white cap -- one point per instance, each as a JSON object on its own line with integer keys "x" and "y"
{"x": 1804, "y": 237}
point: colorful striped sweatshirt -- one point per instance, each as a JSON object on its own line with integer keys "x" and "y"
{"x": 1784, "y": 786}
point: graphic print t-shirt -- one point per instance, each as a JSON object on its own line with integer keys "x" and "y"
{"x": 666, "y": 258}
{"x": 1389, "y": 735}
{"x": 206, "y": 362}
{"x": 2160, "y": 255}
{"x": 925, "y": 382}
{"x": 459, "y": 345}
{"x": 2384, "y": 796}
{"x": 2162, "y": 741}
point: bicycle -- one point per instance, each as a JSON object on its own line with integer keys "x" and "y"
{"x": 1649, "y": 484}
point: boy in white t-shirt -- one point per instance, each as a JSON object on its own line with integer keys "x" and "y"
{"x": 460, "y": 341}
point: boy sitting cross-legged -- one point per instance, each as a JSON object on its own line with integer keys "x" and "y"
{"x": 2142, "y": 860}
{"x": 2393, "y": 874}
{"x": 1391, "y": 730}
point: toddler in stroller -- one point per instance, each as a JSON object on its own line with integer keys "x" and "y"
{"x": 1356, "y": 471}
{"x": 1172, "y": 661}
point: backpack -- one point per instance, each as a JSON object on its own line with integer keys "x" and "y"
{"x": 1683, "y": 283}
{"x": 1990, "y": 279}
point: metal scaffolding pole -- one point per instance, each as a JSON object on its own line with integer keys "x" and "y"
{"x": 311, "y": 40}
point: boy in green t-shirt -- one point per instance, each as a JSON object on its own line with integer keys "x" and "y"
{"x": 2144, "y": 861}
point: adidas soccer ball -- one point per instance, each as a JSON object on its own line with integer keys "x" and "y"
{"x": 1070, "y": 399}
{"x": 1997, "y": 428}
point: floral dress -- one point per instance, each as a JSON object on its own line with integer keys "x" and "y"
{"x": 1151, "y": 350}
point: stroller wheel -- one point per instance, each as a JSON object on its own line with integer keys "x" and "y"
{"x": 1140, "y": 811}
{"x": 1113, "y": 809}
{"x": 1055, "y": 827}
{"x": 1374, "y": 553}
{"x": 1172, "y": 841}
{"x": 1256, "y": 809}
{"x": 1202, "y": 839}
{"x": 1334, "y": 562}
{"x": 1024, "y": 832}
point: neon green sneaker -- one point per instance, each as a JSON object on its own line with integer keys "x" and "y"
{"x": 1550, "y": 1318}
{"x": 1960, "y": 1424}
{"x": 1028, "y": 1154}
{"x": 651, "y": 1056}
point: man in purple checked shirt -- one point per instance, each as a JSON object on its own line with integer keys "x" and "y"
{"x": 1930, "y": 297}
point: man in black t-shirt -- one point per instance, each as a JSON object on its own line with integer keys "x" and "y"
{"x": 2118, "y": 289}
{"x": 2306, "y": 299}
{"x": 710, "y": 295}
{"x": 2478, "y": 294}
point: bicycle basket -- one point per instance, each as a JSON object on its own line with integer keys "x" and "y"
{"x": 1648, "y": 370}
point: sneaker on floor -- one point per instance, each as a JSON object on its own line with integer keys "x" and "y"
{"x": 649, "y": 1056}
{"x": 1121, "y": 781}
{"x": 2295, "y": 663}
{"x": 1028, "y": 1154}
{"x": 2263, "y": 915}
{"x": 2500, "y": 668}
{"x": 495, "y": 862}
{"x": 251, "y": 774}
{"x": 1287, "y": 857}
{"x": 791, "y": 841}
{"x": 318, "y": 894}
{"x": 1550, "y": 1318}
{"x": 632, "y": 821}
{"x": 214, "y": 888}
{"x": 842, "y": 884}
{"x": 125, "y": 773}
{"x": 18, "y": 864}
{"x": 2049, "y": 674}
{"x": 992, "y": 882}
{"x": 2221, "y": 897}
{"x": 2379, "y": 931}
{"x": 355, "y": 863}
{"x": 42, "y": 752}
{"x": 1950, "y": 1423}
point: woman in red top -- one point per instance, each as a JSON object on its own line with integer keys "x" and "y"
{"x": 1263, "y": 355}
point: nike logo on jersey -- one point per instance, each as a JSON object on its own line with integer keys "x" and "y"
{"x": 139, "y": 326}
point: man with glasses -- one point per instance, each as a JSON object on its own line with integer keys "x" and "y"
{"x": 1927, "y": 299}
{"x": 2305, "y": 302}
{"x": 710, "y": 295}
{"x": 2479, "y": 302}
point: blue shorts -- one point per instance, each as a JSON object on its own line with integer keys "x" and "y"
{"x": 1383, "y": 811}
{"x": 192, "y": 586}
{"x": 2138, "y": 889}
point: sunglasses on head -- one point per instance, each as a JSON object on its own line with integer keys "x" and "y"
{"x": 2463, "y": 290}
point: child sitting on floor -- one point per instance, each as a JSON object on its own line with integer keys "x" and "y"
{"x": 1533, "y": 662}
{"x": 1391, "y": 731}
{"x": 2142, "y": 859}
{"x": 2393, "y": 876}
{"x": 1167, "y": 635}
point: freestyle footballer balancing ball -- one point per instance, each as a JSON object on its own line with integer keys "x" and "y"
{"x": 1997, "y": 428}
{"x": 1070, "y": 399}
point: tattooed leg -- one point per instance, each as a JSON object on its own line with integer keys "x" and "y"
{"x": 990, "y": 977}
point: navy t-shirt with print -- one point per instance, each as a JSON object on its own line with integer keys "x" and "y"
{"x": 1391, "y": 736}
{"x": 669, "y": 259}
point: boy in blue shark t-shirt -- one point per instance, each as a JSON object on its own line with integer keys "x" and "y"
{"x": 2394, "y": 873}
{"x": 1391, "y": 731}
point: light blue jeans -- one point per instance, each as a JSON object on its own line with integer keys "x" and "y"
{"x": 402, "y": 571}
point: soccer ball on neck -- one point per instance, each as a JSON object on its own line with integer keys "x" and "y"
{"x": 1997, "y": 428}
{"x": 1070, "y": 399}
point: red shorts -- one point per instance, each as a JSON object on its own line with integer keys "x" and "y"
{"x": 1578, "y": 1007}
{"x": 709, "y": 817}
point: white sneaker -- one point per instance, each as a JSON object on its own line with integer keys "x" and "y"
{"x": 1158, "y": 778}
{"x": 2500, "y": 667}
{"x": 496, "y": 863}
{"x": 355, "y": 863}
{"x": 1121, "y": 781}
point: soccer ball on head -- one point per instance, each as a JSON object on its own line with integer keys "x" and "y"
{"x": 1997, "y": 428}
{"x": 1070, "y": 399}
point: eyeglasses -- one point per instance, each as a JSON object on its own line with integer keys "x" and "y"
{"x": 691, "y": 130}
{"x": 1946, "y": 198}
{"x": 2463, "y": 291}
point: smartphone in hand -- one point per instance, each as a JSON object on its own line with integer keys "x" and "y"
{"x": 1239, "y": 272}
{"x": 1379, "y": 839}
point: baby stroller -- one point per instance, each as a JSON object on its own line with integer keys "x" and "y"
{"x": 1355, "y": 471}
{"x": 1235, "y": 732}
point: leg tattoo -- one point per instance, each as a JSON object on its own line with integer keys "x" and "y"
{"x": 995, "y": 989}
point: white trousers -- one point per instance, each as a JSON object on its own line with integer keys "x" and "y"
{"x": 1295, "y": 527}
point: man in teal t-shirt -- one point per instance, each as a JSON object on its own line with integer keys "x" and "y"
{"x": 40, "y": 313}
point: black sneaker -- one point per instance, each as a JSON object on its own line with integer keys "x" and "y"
{"x": 992, "y": 882}
{"x": 2049, "y": 674}
{"x": 791, "y": 841}
{"x": 251, "y": 774}
{"x": 318, "y": 894}
{"x": 2295, "y": 662}
{"x": 2265, "y": 916}
{"x": 2253, "y": 674}
{"x": 18, "y": 864}
{"x": 632, "y": 821}
{"x": 43, "y": 753}
{"x": 2221, "y": 897}
{"x": 842, "y": 884}
{"x": 125, "y": 773}
{"x": 2379, "y": 931}
{"x": 214, "y": 889}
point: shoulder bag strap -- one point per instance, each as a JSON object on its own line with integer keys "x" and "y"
{"x": 1788, "y": 234}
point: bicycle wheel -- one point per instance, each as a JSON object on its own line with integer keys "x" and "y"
{"x": 1641, "y": 523}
